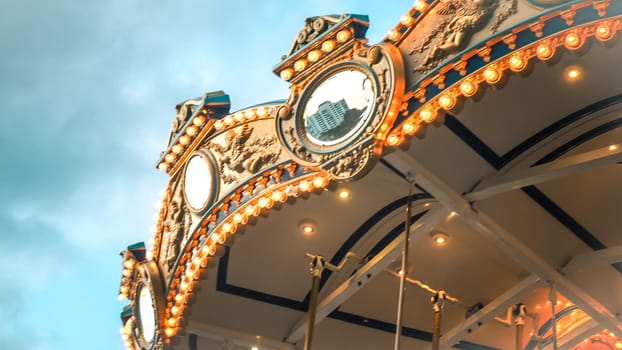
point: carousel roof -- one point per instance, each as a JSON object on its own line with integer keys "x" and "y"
{"x": 515, "y": 199}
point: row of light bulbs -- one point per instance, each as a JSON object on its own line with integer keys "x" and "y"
{"x": 181, "y": 288}
{"x": 314, "y": 55}
{"x": 493, "y": 73}
{"x": 182, "y": 142}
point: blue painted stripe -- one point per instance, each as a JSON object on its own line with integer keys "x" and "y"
{"x": 192, "y": 342}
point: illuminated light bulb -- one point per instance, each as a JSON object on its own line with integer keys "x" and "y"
{"x": 393, "y": 34}
{"x": 604, "y": 32}
{"x": 319, "y": 181}
{"x": 406, "y": 19}
{"x": 400, "y": 272}
{"x": 227, "y": 227}
{"x": 264, "y": 202}
{"x": 238, "y": 117}
{"x": 544, "y": 51}
{"x": 228, "y": 120}
{"x": 440, "y": 239}
{"x": 205, "y": 250}
{"x": 183, "y": 286}
{"x": 179, "y": 298}
{"x": 170, "y": 157}
{"x": 218, "y": 124}
{"x": 328, "y": 45}
{"x": 129, "y": 263}
{"x": 618, "y": 344}
{"x": 250, "y": 210}
{"x": 254, "y": 348}
{"x": 419, "y": 5}
{"x": 468, "y": 88}
{"x": 198, "y": 121}
{"x": 517, "y": 62}
{"x": 314, "y": 55}
{"x": 612, "y": 147}
{"x": 175, "y": 310}
{"x": 261, "y": 112}
{"x": 304, "y": 186}
{"x": 191, "y": 130}
{"x": 344, "y": 194}
{"x": 163, "y": 166}
{"x": 249, "y": 114}
{"x": 572, "y": 41}
{"x": 428, "y": 115}
{"x": 300, "y": 65}
{"x": 287, "y": 74}
{"x": 122, "y": 297}
{"x": 169, "y": 332}
{"x": 492, "y": 75}
{"x": 215, "y": 237}
{"x": 126, "y": 272}
{"x": 410, "y": 128}
{"x": 393, "y": 140}
{"x": 447, "y": 101}
{"x": 573, "y": 73}
{"x": 343, "y": 36}
{"x": 123, "y": 289}
{"x": 238, "y": 218}
{"x": 184, "y": 139}
{"x": 177, "y": 148}
{"x": 279, "y": 196}
{"x": 171, "y": 322}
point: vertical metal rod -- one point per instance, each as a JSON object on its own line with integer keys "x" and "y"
{"x": 519, "y": 337}
{"x": 436, "y": 330}
{"x": 400, "y": 300}
{"x": 553, "y": 299}
{"x": 315, "y": 287}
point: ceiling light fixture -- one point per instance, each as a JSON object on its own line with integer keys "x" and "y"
{"x": 440, "y": 238}
{"x": 344, "y": 194}
{"x": 307, "y": 226}
{"x": 613, "y": 147}
{"x": 573, "y": 73}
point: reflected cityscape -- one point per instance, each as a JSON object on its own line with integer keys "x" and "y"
{"x": 333, "y": 120}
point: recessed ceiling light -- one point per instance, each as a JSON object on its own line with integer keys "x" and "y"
{"x": 613, "y": 147}
{"x": 573, "y": 73}
{"x": 344, "y": 194}
{"x": 307, "y": 226}
{"x": 254, "y": 348}
{"x": 440, "y": 238}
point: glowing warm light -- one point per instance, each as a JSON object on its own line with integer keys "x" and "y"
{"x": 328, "y": 45}
{"x": 618, "y": 344}
{"x": 604, "y": 32}
{"x": 169, "y": 332}
{"x": 319, "y": 181}
{"x": 428, "y": 115}
{"x": 343, "y": 36}
{"x": 249, "y": 114}
{"x": 308, "y": 229}
{"x": 177, "y": 148}
{"x": 393, "y": 34}
{"x": 314, "y": 55}
{"x": 613, "y": 147}
{"x": 254, "y": 348}
{"x": 393, "y": 140}
{"x": 307, "y": 226}
{"x": 184, "y": 139}
{"x": 287, "y": 74}
{"x": 239, "y": 117}
{"x": 300, "y": 65}
{"x": 251, "y": 210}
{"x": 264, "y": 202}
{"x": 440, "y": 239}
{"x": 228, "y": 120}
{"x": 169, "y": 157}
{"x": 572, "y": 41}
{"x": 468, "y": 88}
{"x": 544, "y": 51}
{"x": 163, "y": 166}
{"x": 227, "y": 227}
{"x": 238, "y": 218}
{"x": 122, "y": 297}
{"x": 573, "y": 73}
{"x": 129, "y": 263}
{"x": 406, "y": 19}
{"x": 447, "y": 102}
{"x": 261, "y": 112}
{"x": 344, "y": 194}
{"x": 410, "y": 128}
{"x": 198, "y": 121}
{"x": 492, "y": 75}
{"x": 517, "y": 62}
{"x": 419, "y": 5}
{"x": 279, "y": 196}
{"x": 400, "y": 272}
{"x": 172, "y": 322}
{"x": 191, "y": 130}
{"x": 304, "y": 186}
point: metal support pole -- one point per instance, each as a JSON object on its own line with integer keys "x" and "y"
{"x": 520, "y": 312}
{"x": 316, "y": 266}
{"x": 553, "y": 300}
{"x": 438, "y": 302}
{"x": 403, "y": 272}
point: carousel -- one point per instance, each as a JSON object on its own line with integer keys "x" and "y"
{"x": 455, "y": 186}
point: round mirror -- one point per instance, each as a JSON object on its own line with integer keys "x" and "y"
{"x": 146, "y": 312}
{"x": 198, "y": 182}
{"x": 338, "y": 107}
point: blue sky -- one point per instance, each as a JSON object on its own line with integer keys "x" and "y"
{"x": 87, "y": 91}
